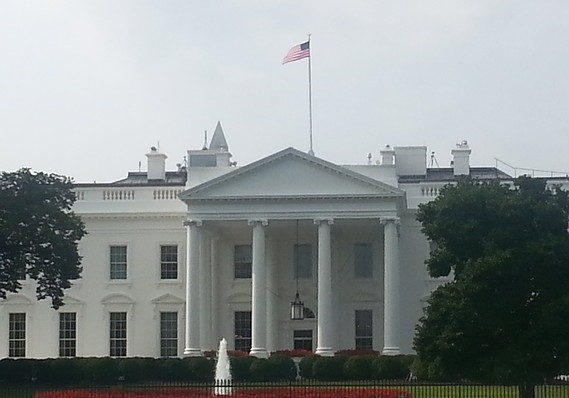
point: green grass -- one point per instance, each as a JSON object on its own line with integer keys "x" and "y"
{"x": 453, "y": 391}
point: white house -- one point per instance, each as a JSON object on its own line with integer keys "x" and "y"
{"x": 176, "y": 260}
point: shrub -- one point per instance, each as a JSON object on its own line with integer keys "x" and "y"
{"x": 131, "y": 369}
{"x": 240, "y": 367}
{"x": 283, "y": 367}
{"x": 359, "y": 367}
{"x": 293, "y": 353}
{"x": 67, "y": 370}
{"x": 260, "y": 370}
{"x": 18, "y": 371}
{"x": 353, "y": 352}
{"x": 419, "y": 369}
{"x": 329, "y": 368}
{"x": 390, "y": 368}
{"x": 173, "y": 369}
{"x": 101, "y": 370}
{"x": 237, "y": 353}
{"x": 201, "y": 369}
{"x": 306, "y": 366}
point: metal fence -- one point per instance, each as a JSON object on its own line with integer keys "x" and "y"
{"x": 297, "y": 389}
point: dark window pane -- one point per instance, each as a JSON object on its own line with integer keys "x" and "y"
{"x": 242, "y": 260}
{"x": 363, "y": 260}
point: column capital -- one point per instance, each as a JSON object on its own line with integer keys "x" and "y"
{"x": 194, "y": 222}
{"x": 328, "y": 220}
{"x": 387, "y": 219}
{"x": 263, "y": 221}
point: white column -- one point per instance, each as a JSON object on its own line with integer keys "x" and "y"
{"x": 205, "y": 293}
{"x": 325, "y": 308}
{"x": 272, "y": 303}
{"x": 192, "y": 348}
{"x": 259, "y": 292}
{"x": 215, "y": 316}
{"x": 391, "y": 332}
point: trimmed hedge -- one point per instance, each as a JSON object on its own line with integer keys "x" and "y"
{"x": 69, "y": 371}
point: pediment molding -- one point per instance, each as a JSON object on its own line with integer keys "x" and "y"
{"x": 363, "y": 186}
{"x": 117, "y": 298}
{"x": 167, "y": 299}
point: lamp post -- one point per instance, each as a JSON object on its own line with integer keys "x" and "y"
{"x": 296, "y": 306}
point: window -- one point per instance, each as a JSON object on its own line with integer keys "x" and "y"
{"x": 302, "y": 340}
{"x": 20, "y": 273}
{"x": 302, "y": 261}
{"x": 17, "y": 335}
{"x": 118, "y": 262}
{"x": 242, "y": 259}
{"x": 243, "y": 331}
{"x": 169, "y": 262}
{"x": 117, "y": 328}
{"x": 364, "y": 330}
{"x": 168, "y": 334}
{"x": 67, "y": 334}
{"x": 363, "y": 260}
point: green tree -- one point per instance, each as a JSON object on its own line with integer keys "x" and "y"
{"x": 38, "y": 233}
{"x": 503, "y": 316}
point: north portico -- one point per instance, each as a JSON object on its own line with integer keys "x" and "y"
{"x": 275, "y": 205}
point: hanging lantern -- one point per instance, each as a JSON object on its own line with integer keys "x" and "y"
{"x": 297, "y": 309}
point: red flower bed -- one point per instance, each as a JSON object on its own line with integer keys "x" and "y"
{"x": 251, "y": 393}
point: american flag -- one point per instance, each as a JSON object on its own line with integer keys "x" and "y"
{"x": 298, "y": 52}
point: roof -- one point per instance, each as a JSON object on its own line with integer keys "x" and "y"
{"x": 218, "y": 141}
{"x": 138, "y": 178}
{"x": 443, "y": 174}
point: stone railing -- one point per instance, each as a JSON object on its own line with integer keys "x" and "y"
{"x": 166, "y": 194}
{"x": 137, "y": 194}
{"x": 430, "y": 191}
{"x": 118, "y": 194}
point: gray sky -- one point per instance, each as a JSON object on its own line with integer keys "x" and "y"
{"x": 86, "y": 87}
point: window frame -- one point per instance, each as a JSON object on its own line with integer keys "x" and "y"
{"x": 363, "y": 331}
{"x": 118, "y": 268}
{"x": 169, "y": 334}
{"x": 243, "y": 267}
{"x": 67, "y": 334}
{"x": 300, "y": 342}
{"x": 17, "y": 325}
{"x": 118, "y": 334}
{"x": 242, "y": 326}
{"x": 169, "y": 262}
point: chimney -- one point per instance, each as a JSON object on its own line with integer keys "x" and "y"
{"x": 156, "y": 165}
{"x": 387, "y": 156}
{"x": 411, "y": 160}
{"x": 461, "y": 159}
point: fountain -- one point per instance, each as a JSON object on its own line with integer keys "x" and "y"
{"x": 222, "y": 371}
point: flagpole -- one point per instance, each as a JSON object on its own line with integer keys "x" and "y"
{"x": 311, "y": 150}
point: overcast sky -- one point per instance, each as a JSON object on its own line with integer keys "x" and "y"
{"x": 87, "y": 87}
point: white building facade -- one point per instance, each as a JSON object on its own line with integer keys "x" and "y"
{"x": 175, "y": 261}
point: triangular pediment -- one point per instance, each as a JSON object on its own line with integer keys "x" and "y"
{"x": 289, "y": 174}
{"x": 167, "y": 299}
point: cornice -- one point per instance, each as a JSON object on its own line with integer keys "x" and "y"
{"x": 298, "y": 198}
{"x": 131, "y": 216}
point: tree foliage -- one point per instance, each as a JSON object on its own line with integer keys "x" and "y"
{"x": 39, "y": 233}
{"x": 504, "y": 315}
